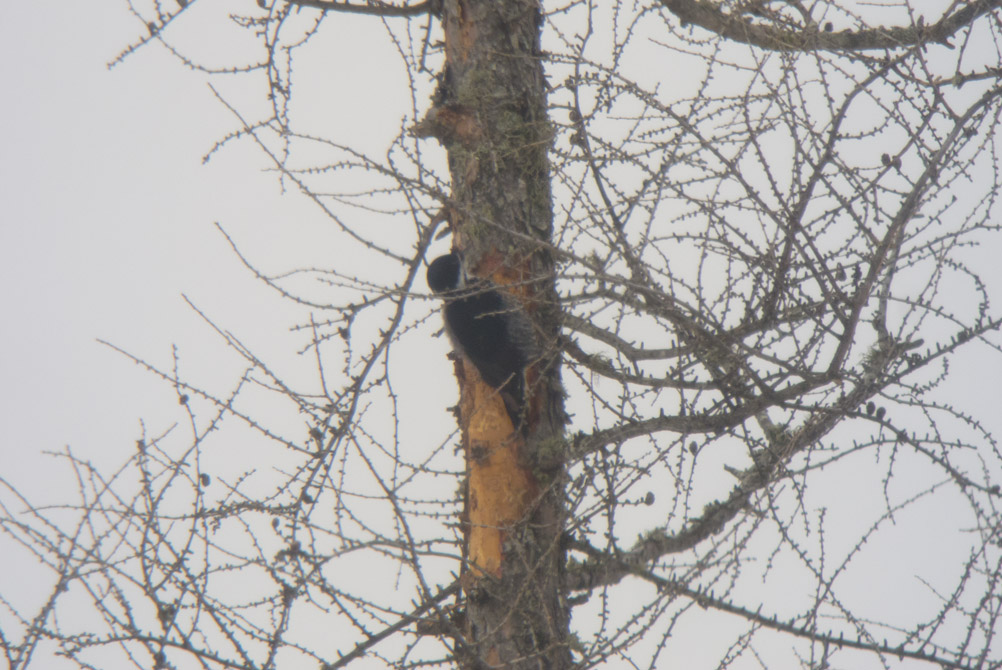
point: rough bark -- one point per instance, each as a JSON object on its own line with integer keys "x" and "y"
{"x": 490, "y": 114}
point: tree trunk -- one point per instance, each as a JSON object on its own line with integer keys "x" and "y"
{"x": 490, "y": 114}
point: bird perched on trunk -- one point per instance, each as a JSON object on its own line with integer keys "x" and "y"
{"x": 489, "y": 328}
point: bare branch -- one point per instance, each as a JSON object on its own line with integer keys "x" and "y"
{"x": 745, "y": 28}
{"x": 374, "y": 8}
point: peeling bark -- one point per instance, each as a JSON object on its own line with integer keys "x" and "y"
{"x": 490, "y": 114}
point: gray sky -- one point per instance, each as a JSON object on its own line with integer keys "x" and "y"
{"x": 108, "y": 218}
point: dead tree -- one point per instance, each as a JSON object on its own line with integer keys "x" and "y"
{"x": 743, "y": 234}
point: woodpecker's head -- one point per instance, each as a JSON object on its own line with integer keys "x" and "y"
{"x": 445, "y": 274}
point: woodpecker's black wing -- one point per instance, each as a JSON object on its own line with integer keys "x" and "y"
{"x": 481, "y": 323}
{"x": 489, "y": 328}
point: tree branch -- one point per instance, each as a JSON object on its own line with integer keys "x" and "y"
{"x": 704, "y": 598}
{"x": 373, "y": 8}
{"x": 770, "y": 465}
{"x": 743, "y": 28}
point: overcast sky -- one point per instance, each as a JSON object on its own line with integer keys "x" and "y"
{"x": 108, "y": 218}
